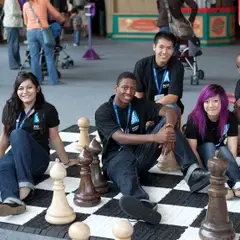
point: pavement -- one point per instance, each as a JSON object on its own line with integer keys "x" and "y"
{"x": 90, "y": 83}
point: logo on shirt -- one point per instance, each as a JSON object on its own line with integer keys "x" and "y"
{"x": 224, "y": 135}
{"x": 166, "y": 80}
{"x": 36, "y": 121}
{"x": 135, "y": 121}
{"x": 36, "y": 118}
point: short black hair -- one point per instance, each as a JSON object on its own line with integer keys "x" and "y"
{"x": 165, "y": 35}
{"x": 125, "y": 75}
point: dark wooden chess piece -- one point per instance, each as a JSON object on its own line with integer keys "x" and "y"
{"x": 217, "y": 225}
{"x": 99, "y": 182}
{"x": 86, "y": 195}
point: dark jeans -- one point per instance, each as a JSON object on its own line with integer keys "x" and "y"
{"x": 125, "y": 167}
{"x": 21, "y": 166}
{"x": 13, "y": 39}
{"x": 207, "y": 151}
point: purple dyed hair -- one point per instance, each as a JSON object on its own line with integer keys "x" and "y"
{"x": 199, "y": 116}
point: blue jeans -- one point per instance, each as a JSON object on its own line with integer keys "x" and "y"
{"x": 35, "y": 42}
{"x": 207, "y": 151}
{"x": 77, "y": 36}
{"x": 21, "y": 166}
{"x": 164, "y": 28}
{"x": 13, "y": 39}
{"x": 101, "y": 22}
{"x": 125, "y": 167}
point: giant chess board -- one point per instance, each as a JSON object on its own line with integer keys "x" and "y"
{"x": 182, "y": 212}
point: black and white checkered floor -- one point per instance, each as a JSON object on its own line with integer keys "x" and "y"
{"x": 182, "y": 212}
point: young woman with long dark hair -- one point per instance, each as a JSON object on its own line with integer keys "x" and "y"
{"x": 29, "y": 122}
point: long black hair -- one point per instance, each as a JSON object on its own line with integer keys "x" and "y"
{"x": 14, "y": 105}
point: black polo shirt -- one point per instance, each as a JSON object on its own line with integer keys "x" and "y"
{"x": 142, "y": 110}
{"x": 38, "y": 123}
{"x": 146, "y": 82}
{"x": 211, "y": 135}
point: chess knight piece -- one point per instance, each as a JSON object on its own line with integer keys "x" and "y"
{"x": 86, "y": 195}
{"x": 59, "y": 211}
{"x": 99, "y": 182}
{"x": 84, "y": 140}
{"x": 217, "y": 225}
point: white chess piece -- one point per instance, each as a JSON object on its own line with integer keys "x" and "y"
{"x": 59, "y": 211}
{"x": 122, "y": 230}
{"x": 84, "y": 140}
{"x": 79, "y": 231}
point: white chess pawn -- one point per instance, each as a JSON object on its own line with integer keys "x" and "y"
{"x": 122, "y": 230}
{"x": 59, "y": 211}
{"x": 79, "y": 231}
{"x": 84, "y": 140}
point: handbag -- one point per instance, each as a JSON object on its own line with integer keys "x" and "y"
{"x": 48, "y": 37}
{"x": 181, "y": 28}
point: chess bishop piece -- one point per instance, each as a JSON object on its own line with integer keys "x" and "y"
{"x": 217, "y": 225}
{"x": 84, "y": 140}
{"x": 122, "y": 230}
{"x": 86, "y": 195}
{"x": 79, "y": 231}
{"x": 59, "y": 211}
{"x": 99, "y": 182}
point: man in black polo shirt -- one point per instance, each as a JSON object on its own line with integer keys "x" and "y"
{"x": 160, "y": 77}
{"x": 129, "y": 151}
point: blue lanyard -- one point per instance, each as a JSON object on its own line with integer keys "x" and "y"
{"x": 159, "y": 88}
{"x": 128, "y": 117}
{"x": 20, "y": 125}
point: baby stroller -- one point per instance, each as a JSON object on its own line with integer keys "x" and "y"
{"x": 189, "y": 51}
{"x": 66, "y": 62}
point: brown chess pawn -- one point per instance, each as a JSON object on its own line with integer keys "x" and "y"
{"x": 99, "y": 182}
{"x": 84, "y": 140}
{"x": 86, "y": 195}
{"x": 217, "y": 225}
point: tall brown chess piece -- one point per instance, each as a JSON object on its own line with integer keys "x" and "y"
{"x": 217, "y": 225}
{"x": 86, "y": 195}
{"x": 99, "y": 182}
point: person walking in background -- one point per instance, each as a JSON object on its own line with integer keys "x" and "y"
{"x": 175, "y": 9}
{"x": 12, "y": 23}
{"x": 42, "y": 8}
{"x": 77, "y": 24}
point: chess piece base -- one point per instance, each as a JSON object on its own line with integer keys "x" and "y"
{"x": 60, "y": 220}
{"x": 86, "y": 202}
{"x": 212, "y": 232}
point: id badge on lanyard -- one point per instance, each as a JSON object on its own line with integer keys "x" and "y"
{"x": 20, "y": 125}
{"x": 159, "y": 88}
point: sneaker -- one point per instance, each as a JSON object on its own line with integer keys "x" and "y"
{"x": 7, "y": 209}
{"x": 75, "y": 45}
{"x": 148, "y": 204}
{"x": 140, "y": 210}
{"x": 198, "y": 180}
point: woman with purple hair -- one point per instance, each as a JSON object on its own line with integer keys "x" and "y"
{"x": 210, "y": 127}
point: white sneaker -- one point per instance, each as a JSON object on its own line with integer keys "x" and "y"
{"x": 75, "y": 45}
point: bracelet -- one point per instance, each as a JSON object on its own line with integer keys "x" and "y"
{"x": 67, "y": 163}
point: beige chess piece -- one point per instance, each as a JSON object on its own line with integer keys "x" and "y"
{"x": 59, "y": 211}
{"x": 84, "y": 140}
{"x": 167, "y": 162}
{"x": 79, "y": 231}
{"x": 122, "y": 230}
